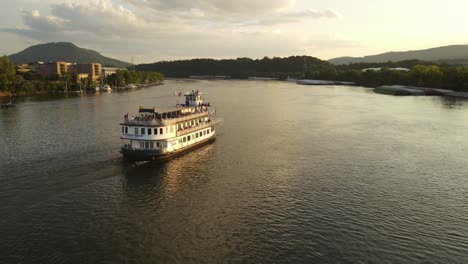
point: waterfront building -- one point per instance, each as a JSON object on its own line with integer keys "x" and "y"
{"x": 50, "y": 69}
{"x": 81, "y": 76}
{"x": 35, "y": 65}
{"x": 106, "y": 71}
{"x": 93, "y": 70}
{"x": 23, "y": 68}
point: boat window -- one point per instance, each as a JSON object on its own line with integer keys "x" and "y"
{"x": 136, "y": 131}
{"x": 155, "y": 131}
{"x": 160, "y": 130}
{"x": 142, "y": 131}
{"x": 201, "y": 134}
{"x": 157, "y": 144}
{"x": 188, "y": 138}
{"x": 208, "y": 130}
{"x": 149, "y": 131}
{"x": 151, "y": 144}
{"x": 126, "y": 130}
{"x": 123, "y": 130}
{"x": 196, "y": 135}
{"x": 146, "y": 144}
{"x": 184, "y": 139}
{"x": 142, "y": 144}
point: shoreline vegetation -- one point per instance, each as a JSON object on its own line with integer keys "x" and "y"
{"x": 415, "y": 73}
{"x": 13, "y": 83}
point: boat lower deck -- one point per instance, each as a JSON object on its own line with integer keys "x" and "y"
{"x": 149, "y": 154}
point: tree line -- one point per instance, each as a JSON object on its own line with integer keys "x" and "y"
{"x": 240, "y": 68}
{"x": 23, "y": 83}
{"x": 124, "y": 77}
{"x": 421, "y": 73}
{"x": 433, "y": 76}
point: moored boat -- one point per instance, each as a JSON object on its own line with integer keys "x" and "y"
{"x": 106, "y": 88}
{"x": 131, "y": 86}
{"x": 162, "y": 133}
{"x": 8, "y": 105}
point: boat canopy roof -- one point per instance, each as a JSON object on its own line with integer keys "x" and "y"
{"x": 153, "y": 110}
{"x": 193, "y": 93}
{"x": 147, "y": 110}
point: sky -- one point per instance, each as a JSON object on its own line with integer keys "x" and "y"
{"x": 155, "y": 30}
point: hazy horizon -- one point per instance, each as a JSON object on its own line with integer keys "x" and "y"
{"x": 171, "y": 30}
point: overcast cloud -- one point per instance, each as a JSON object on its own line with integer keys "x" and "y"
{"x": 171, "y": 29}
{"x": 152, "y": 30}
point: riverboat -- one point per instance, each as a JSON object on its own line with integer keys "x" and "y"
{"x": 156, "y": 134}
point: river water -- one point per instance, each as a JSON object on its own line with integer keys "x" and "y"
{"x": 326, "y": 174}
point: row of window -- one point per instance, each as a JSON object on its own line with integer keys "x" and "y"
{"x": 193, "y": 98}
{"x": 157, "y": 144}
{"x": 192, "y": 123}
{"x": 149, "y": 131}
{"x": 149, "y": 144}
{"x": 193, "y": 136}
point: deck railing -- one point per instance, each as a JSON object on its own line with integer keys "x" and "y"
{"x": 181, "y": 132}
{"x": 163, "y": 121}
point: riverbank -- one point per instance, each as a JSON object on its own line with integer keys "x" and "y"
{"x": 323, "y": 82}
{"x": 88, "y": 91}
{"x": 4, "y": 94}
{"x": 403, "y": 90}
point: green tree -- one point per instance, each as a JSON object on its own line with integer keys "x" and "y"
{"x": 7, "y": 74}
{"x": 120, "y": 78}
{"x": 430, "y": 76}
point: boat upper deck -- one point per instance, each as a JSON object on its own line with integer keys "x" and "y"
{"x": 177, "y": 110}
{"x": 163, "y": 117}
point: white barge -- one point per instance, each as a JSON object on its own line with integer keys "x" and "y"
{"x": 162, "y": 133}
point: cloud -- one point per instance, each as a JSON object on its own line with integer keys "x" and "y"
{"x": 225, "y": 13}
{"x": 172, "y": 29}
{"x": 293, "y": 17}
{"x": 312, "y": 42}
{"x": 239, "y": 7}
{"x": 66, "y": 20}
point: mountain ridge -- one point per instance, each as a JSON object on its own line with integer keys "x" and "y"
{"x": 63, "y": 51}
{"x": 450, "y": 53}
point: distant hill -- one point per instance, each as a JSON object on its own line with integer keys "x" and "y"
{"x": 457, "y": 54}
{"x": 64, "y": 51}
